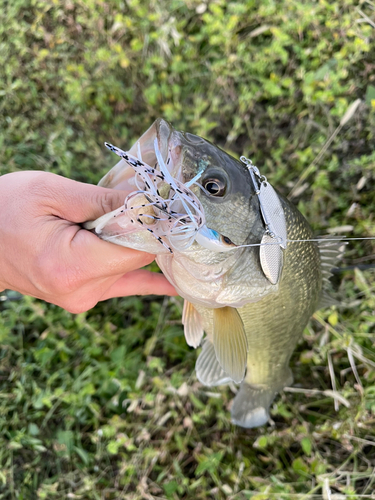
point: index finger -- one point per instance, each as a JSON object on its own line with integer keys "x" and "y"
{"x": 139, "y": 282}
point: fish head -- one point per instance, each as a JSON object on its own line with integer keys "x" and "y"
{"x": 231, "y": 210}
{"x": 228, "y": 198}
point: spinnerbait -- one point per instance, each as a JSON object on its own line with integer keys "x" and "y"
{"x": 271, "y": 256}
{"x": 178, "y": 218}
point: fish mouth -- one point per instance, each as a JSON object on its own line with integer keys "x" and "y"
{"x": 176, "y": 148}
{"x": 121, "y": 176}
{"x": 145, "y": 145}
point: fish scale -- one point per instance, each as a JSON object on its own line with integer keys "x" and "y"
{"x": 274, "y": 324}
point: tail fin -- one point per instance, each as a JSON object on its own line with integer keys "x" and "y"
{"x": 252, "y": 403}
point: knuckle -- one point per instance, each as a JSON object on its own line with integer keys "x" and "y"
{"x": 108, "y": 202}
{"x": 69, "y": 280}
{"x": 42, "y": 187}
{"x": 57, "y": 278}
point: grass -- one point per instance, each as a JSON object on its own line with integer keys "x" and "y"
{"x": 105, "y": 405}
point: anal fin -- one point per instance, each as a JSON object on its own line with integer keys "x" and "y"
{"x": 230, "y": 343}
{"x": 209, "y": 372}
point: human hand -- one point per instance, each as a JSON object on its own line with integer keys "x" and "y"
{"x": 46, "y": 254}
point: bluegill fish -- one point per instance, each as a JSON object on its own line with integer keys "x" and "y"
{"x": 199, "y": 210}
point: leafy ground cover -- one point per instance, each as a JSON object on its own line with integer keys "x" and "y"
{"x": 105, "y": 405}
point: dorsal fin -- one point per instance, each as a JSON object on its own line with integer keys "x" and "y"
{"x": 331, "y": 253}
{"x": 327, "y": 301}
{"x": 230, "y": 342}
{"x": 192, "y": 321}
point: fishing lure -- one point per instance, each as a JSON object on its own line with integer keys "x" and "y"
{"x": 179, "y": 218}
{"x": 271, "y": 256}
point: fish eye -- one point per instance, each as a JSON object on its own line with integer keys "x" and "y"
{"x": 216, "y": 187}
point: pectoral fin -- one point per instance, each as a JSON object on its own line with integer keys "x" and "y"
{"x": 230, "y": 342}
{"x": 192, "y": 322}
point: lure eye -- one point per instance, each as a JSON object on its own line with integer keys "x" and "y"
{"x": 216, "y": 187}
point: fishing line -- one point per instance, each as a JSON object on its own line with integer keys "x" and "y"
{"x": 361, "y": 267}
{"x": 337, "y": 240}
{"x": 181, "y": 229}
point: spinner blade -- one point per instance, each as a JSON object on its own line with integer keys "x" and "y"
{"x": 273, "y": 213}
{"x": 271, "y": 259}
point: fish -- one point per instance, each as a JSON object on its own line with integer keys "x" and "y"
{"x": 211, "y": 220}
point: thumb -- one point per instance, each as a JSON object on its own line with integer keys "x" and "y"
{"x": 76, "y": 201}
